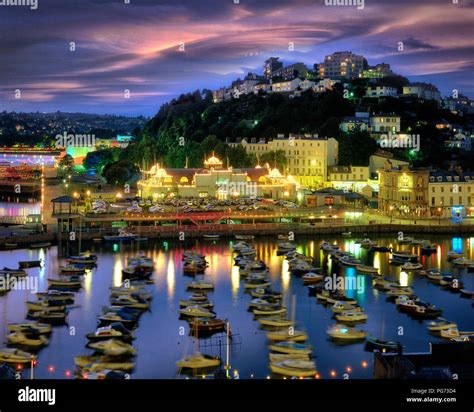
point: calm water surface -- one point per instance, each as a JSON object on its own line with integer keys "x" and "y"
{"x": 159, "y": 343}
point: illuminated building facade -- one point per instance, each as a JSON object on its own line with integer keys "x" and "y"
{"x": 308, "y": 156}
{"x": 216, "y": 181}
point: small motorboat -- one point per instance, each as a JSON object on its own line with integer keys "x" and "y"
{"x": 285, "y": 247}
{"x": 44, "y": 305}
{"x": 200, "y": 285}
{"x": 14, "y": 356}
{"x": 275, "y": 321}
{"x": 419, "y": 309}
{"x": 207, "y": 304}
{"x": 198, "y": 361}
{"x": 100, "y": 363}
{"x": 405, "y": 239}
{"x": 346, "y": 234}
{"x": 113, "y": 331}
{"x": 269, "y": 310}
{"x": 399, "y": 291}
{"x": 122, "y": 236}
{"x": 22, "y": 339}
{"x": 345, "y": 333}
{"x": 259, "y": 292}
{"x": 56, "y": 295}
{"x": 352, "y": 316}
{"x": 133, "y": 289}
{"x": 383, "y": 249}
{"x": 338, "y": 297}
{"x": 294, "y": 367}
{"x": 367, "y": 269}
{"x": 454, "y": 333}
{"x": 454, "y": 255}
{"x": 404, "y": 255}
{"x": 197, "y": 311}
{"x": 13, "y": 272}
{"x": 113, "y": 347}
{"x": 71, "y": 283}
{"x": 36, "y": 328}
{"x": 287, "y": 335}
{"x": 198, "y": 297}
{"x": 54, "y": 318}
{"x": 384, "y": 284}
{"x": 207, "y": 325}
{"x": 71, "y": 269}
{"x": 467, "y": 293}
{"x": 372, "y": 344}
{"x": 291, "y": 347}
{"x": 279, "y": 357}
{"x": 462, "y": 262}
{"x": 112, "y": 317}
{"x": 428, "y": 248}
{"x": 349, "y": 261}
{"x": 340, "y": 307}
{"x": 85, "y": 258}
{"x": 441, "y": 324}
{"x": 10, "y": 246}
{"x": 312, "y": 277}
{"x": 412, "y": 266}
{"x": 132, "y": 301}
{"x": 30, "y": 264}
{"x": 256, "y": 283}
{"x": 193, "y": 268}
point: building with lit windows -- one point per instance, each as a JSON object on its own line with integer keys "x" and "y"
{"x": 343, "y": 65}
{"x": 215, "y": 181}
{"x": 384, "y": 123}
{"x": 308, "y": 156}
{"x": 403, "y": 192}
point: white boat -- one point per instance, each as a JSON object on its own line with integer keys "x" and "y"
{"x": 21, "y": 339}
{"x": 291, "y": 347}
{"x": 71, "y": 269}
{"x": 352, "y": 316}
{"x": 412, "y": 266}
{"x": 15, "y": 356}
{"x": 113, "y": 347}
{"x": 441, "y": 324}
{"x": 269, "y": 310}
{"x": 286, "y": 247}
{"x": 405, "y": 239}
{"x": 346, "y": 234}
{"x": 198, "y": 361}
{"x": 454, "y": 255}
{"x": 404, "y": 254}
{"x": 294, "y": 367}
{"x": 340, "y": 307}
{"x": 200, "y": 285}
{"x": 462, "y": 262}
{"x": 367, "y": 269}
{"x": 123, "y": 236}
{"x": 31, "y": 327}
{"x": 345, "y": 333}
{"x": 367, "y": 243}
{"x": 197, "y": 311}
{"x": 312, "y": 277}
{"x": 287, "y": 335}
{"x": 275, "y": 321}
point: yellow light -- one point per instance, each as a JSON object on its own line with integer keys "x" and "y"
{"x": 333, "y": 373}
{"x": 118, "y": 195}
{"x": 364, "y": 364}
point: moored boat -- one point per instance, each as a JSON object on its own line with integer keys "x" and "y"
{"x": 345, "y": 333}
{"x": 113, "y": 347}
{"x": 294, "y": 367}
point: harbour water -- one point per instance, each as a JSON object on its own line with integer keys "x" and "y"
{"x": 159, "y": 340}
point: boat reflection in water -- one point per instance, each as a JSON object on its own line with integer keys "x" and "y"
{"x": 163, "y": 335}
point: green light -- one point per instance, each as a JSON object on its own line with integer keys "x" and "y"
{"x": 115, "y": 247}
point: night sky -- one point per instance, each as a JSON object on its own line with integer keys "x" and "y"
{"x": 135, "y": 46}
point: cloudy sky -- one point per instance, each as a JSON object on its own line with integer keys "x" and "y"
{"x": 135, "y": 46}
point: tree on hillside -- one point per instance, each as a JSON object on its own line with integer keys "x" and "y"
{"x": 121, "y": 172}
{"x": 355, "y": 148}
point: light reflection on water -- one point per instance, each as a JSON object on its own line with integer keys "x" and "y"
{"x": 159, "y": 343}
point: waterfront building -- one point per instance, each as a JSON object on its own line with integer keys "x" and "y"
{"x": 451, "y": 194}
{"x": 350, "y": 179}
{"x": 343, "y": 65}
{"x": 384, "y": 123}
{"x": 308, "y": 156}
{"x": 324, "y": 85}
{"x": 423, "y": 91}
{"x": 403, "y": 192}
{"x": 217, "y": 181}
